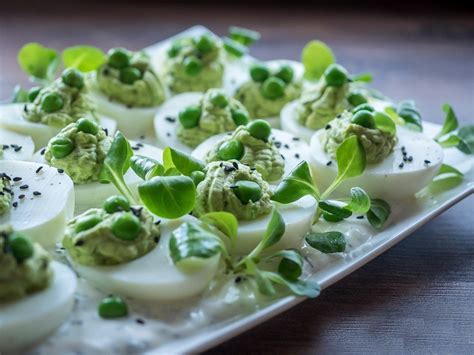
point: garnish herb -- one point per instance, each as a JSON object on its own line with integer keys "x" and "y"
{"x": 223, "y": 221}
{"x": 19, "y": 94}
{"x": 38, "y": 61}
{"x": 183, "y": 162}
{"x": 450, "y": 122}
{"x": 360, "y": 201}
{"x": 327, "y": 242}
{"x": 446, "y": 178}
{"x": 146, "y": 167}
{"x": 362, "y": 78}
{"x": 410, "y": 114}
{"x": 316, "y": 57}
{"x": 243, "y": 35}
{"x": 453, "y": 136}
{"x": 378, "y": 213}
{"x": 466, "y": 139}
{"x": 83, "y": 58}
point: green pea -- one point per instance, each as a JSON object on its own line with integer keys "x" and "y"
{"x": 129, "y": 75}
{"x": 192, "y": 65}
{"x": 61, "y": 147}
{"x": 119, "y": 58}
{"x": 361, "y": 107}
{"x": 364, "y": 118}
{"x": 189, "y": 117}
{"x": 174, "y": 50}
{"x": 204, "y": 44}
{"x": 219, "y": 100}
{"x": 116, "y": 203}
{"x": 247, "y": 191}
{"x": 336, "y": 75}
{"x": 73, "y": 77}
{"x": 52, "y": 102}
{"x": 112, "y": 307}
{"x": 285, "y": 73}
{"x": 86, "y": 223}
{"x": 21, "y": 246}
{"x": 232, "y": 149}
{"x": 87, "y": 126}
{"x": 259, "y": 72}
{"x": 240, "y": 117}
{"x": 273, "y": 88}
{"x": 260, "y": 129}
{"x": 356, "y": 99}
{"x": 197, "y": 177}
{"x": 33, "y": 93}
{"x": 126, "y": 227}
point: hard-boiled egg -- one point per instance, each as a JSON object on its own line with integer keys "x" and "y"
{"x": 94, "y": 194}
{"x": 32, "y": 318}
{"x": 291, "y": 148}
{"x": 11, "y": 118}
{"x": 43, "y": 201}
{"x": 153, "y": 276}
{"x": 166, "y": 120}
{"x": 16, "y": 146}
{"x": 392, "y": 178}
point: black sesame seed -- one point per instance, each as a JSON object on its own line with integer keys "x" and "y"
{"x": 297, "y": 156}
{"x": 235, "y": 165}
{"x": 278, "y": 144}
{"x": 140, "y": 145}
{"x": 60, "y": 171}
{"x": 403, "y": 148}
{"x": 410, "y": 158}
{"x": 21, "y": 197}
{"x": 329, "y": 163}
{"x": 282, "y": 156}
{"x": 158, "y": 222}
{"x": 427, "y": 161}
{"x": 221, "y": 165}
{"x": 339, "y": 116}
{"x": 39, "y": 169}
{"x": 253, "y": 169}
{"x": 228, "y": 169}
{"x": 360, "y": 217}
{"x": 156, "y": 239}
{"x": 17, "y": 149}
{"x": 404, "y": 152}
{"x": 17, "y": 178}
{"x": 296, "y": 138}
{"x": 401, "y": 165}
{"x": 287, "y": 146}
{"x": 168, "y": 134}
{"x": 6, "y": 146}
{"x": 79, "y": 243}
{"x": 15, "y": 204}
{"x": 43, "y": 151}
{"x": 140, "y": 321}
{"x": 170, "y": 119}
{"x": 36, "y": 193}
{"x": 328, "y": 126}
{"x": 135, "y": 148}
{"x": 405, "y": 159}
{"x": 238, "y": 279}
{"x": 24, "y": 187}
{"x": 106, "y": 131}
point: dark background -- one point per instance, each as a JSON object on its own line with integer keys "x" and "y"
{"x": 418, "y": 296}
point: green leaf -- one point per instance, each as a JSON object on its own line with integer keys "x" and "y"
{"x": 316, "y": 57}
{"x": 360, "y": 201}
{"x": 243, "y": 35}
{"x": 19, "y": 95}
{"x": 38, "y": 61}
{"x": 296, "y": 185}
{"x": 298, "y": 287}
{"x": 391, "y": 111}
{"x": 234, "y": 48}
{"x": 446, "y": 178}
{"x": 327, "y": 242}
{"x": 450, "y": 122}
{"x": 146, "y": 167}
{"x": 264, "y": 284}
{"x": 275, "y": 230}
{"x": 83, "y": 58}
{"x": 363, "y": 77}
{"x": 329, "y": 217}
{"x": 466, "y": 139}
{"x": 335, "y": 209}
{"x": 190, "y": 242}
{"x": 449, "y": 140}
{"x": 168, "y": 196}
{"x": 185, "y": 163}
{"x": 410, "y": 114}
{"x": 224, "y": 221}
{"x": 350, "y": 156}
{"x": 291, "y": 264}
{"x": 378, "y": 213}
{"x": 116, "y": 164}
{"x": 384, "y": 123}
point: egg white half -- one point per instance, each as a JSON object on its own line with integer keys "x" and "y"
{"x": 11, "y": 118}
{"x": 94, "y": 194}
{"x": 25, "y": 142}
{"x": 154, "y": 275}
{"x": 43, "y": 218}
{"x": 386, "y": 179}
{"x": 291, "y": 148}
{"x": 32, "y": 318}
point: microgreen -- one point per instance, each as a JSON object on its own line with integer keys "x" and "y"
{"x": 466, "y": 139}
{"x": 335, "y": 209}
{"x": 223, "y": 221}
{"x": 327, "y": 242}
{"x": 362, "y": 78}
{"x": 38, "y": 61}
{"x": 451, "y": 135}
{"x": 234, "y": 48}
{"x": 183, "y": 162}
{"x": 83, "y": 58}
{"x": 446, "y": 178}
{"x": 295, "y": 185}
{"x": 19, "y": 94}
{"x": 378, "y": 213}
{"x": 384, "y": 123}
{"x": 410, "y": 114}
{"x": 291, "y": 264}
{"x": 360, "y": 201}
{"x": 146, "y": 167}
{"x": 243, "y": 35}
{"x": 316, "y": 57}
{"x": 450, "y": 122}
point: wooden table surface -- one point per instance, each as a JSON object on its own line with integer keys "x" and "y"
{"x": 417, "y": 297}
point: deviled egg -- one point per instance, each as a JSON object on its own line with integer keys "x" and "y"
{"x": 36, "y": 294}
{"x": 127, "y": 89}
{"x": 79, "y": 150}
{"x": 36, "y": 200}
{"x": 15, "y": 146}
{"x": 273, "y": 153}
{"x": 51, "y": 108}
{"x": 124, "y": 250}
{"x": 400, "y": 162}
{"x": 269, "y": 87}
{"x": 188, "y": 119}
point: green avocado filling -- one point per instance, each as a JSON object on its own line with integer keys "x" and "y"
{"x": 6, "y": 194}
{"x": 100, "y": 237}
{"x": 216, "y": 113}
{"x": 128, "y": 78}
{"x": 60, "y": 103}
{"x": 195, "y": 64}
{"x": 377, "y": 144}
{"x": 254, "y": 152}
{"x": 233, "y": 187}
{"x": 79, "y": 149}
{"x": 266, "y": 93}
{"x": 24, "y": 266}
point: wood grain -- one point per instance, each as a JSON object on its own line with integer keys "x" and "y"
{"x": 417, "y": 297}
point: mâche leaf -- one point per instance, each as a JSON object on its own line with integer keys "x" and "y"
{"x": 224, "y": 221}
{"x": 410, "y": 114}
{"x": 297, "y": 184}
{"x": 316, "y": 57}
{"x": 449, "y": 140}
{"x": 446, "y": 178}
{"x": 234, "y": 48}
{"x": 363, "y": 78}
{"x": 83, "y": 58}
{"x": 327, "y": 242}
{"x": 291, "y": 264}
{"x": 466, "y": 139}
{"x": 168, "y": 196}
{"x": 450, "y": 122}
{"x": 309, "y": 289}
{"x": 38, "y": 61}
{"x": 334, "y": 208}
{"x": 378, "y": 213}
{"x": 146, "y": 167}
{"x": 185, "y": 163}
{"x": 384, "y": 123}
{"x": 360, "y": 201}
{"x": 19, "y": 94}
{"x": 243, "y": 35}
